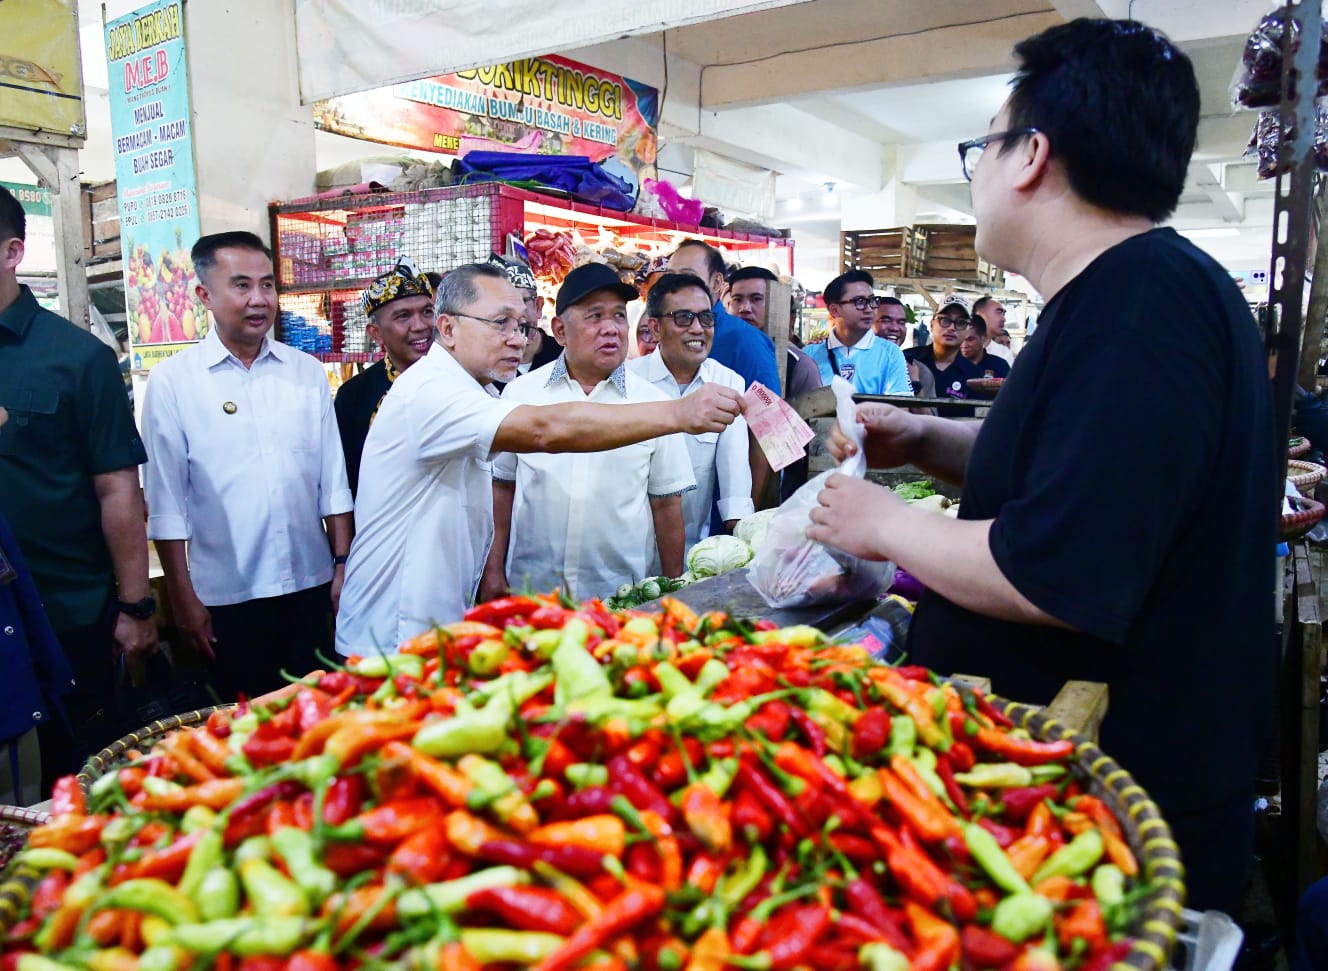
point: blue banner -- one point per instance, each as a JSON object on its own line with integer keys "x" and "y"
{"x": 154, "y": 168}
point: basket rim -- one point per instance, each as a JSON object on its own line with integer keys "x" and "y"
{"x": 23, "y": 816}
{"x": 1159, "y": 856}
{"x": 98, "y": 765}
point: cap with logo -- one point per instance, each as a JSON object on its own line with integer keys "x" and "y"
{"x": 591, "y": 278}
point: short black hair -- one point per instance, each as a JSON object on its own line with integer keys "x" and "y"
{"x": 457, "y": 289}
{"x": 978, "y": 325}
{"x": 892, "y": 301}
{"x": 980, "y": 304}
{"x": 752, "y": 273}
{"x": 835, "y": 289}
{"x": 671, "y": 283}
{"x": 204, "y": 252}
{"x": 13, "y": 220}
{"x": 1120, "y": 105}
{"x": 714, "y": 261}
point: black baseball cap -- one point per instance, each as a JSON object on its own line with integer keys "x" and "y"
{"x": 588, "y": 279}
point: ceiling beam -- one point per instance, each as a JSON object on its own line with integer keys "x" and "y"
{"x": 1070, "y": 9}
{"x": 968, "y": 50}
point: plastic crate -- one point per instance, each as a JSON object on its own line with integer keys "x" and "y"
{"x": 1208, "y": 941}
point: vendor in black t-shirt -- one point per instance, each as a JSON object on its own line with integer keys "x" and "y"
{"x": 973, "y": 348}
{"x": 1113, "y": 527}
{"x": 942, "y": 357}
{"x": 399, "y": 305}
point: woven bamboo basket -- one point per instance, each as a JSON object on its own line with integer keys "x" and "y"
{"x": 1297, "y": 447}
{"x": 112, "y": 756}
{"x": 1304, "y": 475}
{"x": 18, "y": 881}
{"x": 1147, "y": 832}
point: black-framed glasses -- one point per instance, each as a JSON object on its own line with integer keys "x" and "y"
{"x": 862, "y": 303}
{"x": 506, "y": 326}
{"x": 951, "y": 323}
{"x": 971, "y": 150}
{"x": 683, "y": 319}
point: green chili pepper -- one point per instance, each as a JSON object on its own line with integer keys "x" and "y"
{"x": 672, "y": 682}
{"x": 996, "y": 775}
{"x": 48, "y": 858}
{"x": 299, "y": 852}
{"x": 218, "y": 894}
{"x": 254, "y": 848}
{"x": 155, "y": 785}
{"x": 481, "y": 731}
{"x": 487, "y": 657}
{"x": 151, "y": 896}
{"x": 881, "y": 957}
{"x": 270, "y": 892}
{"x": 1047, "y": 772}
{"x": 719, "y": 776}
{"x": 243, "y": 936}
{"x": 516, "y": 686}
{"x": 989, "y": 855}
{"x": 1108, "y": 884}
{"x": 1074, "y": 858}
{"x": 598, "y": 710}
{"x": 544, "y": 642}
{"x": 450, "y": 896}
{"x": 583, "y": 774}
{"x": 35, "y": 962}
{"x": 160, "y": 957}
{"x": 924, "y": 760}
{"x": 835, "y": 764}
{"x": 818, "y": 701}
{"x": 903, "y": 735}
{"x": 203, "y": 858}
{"x": 578, "y": 673}
{"x": 87, "y": 888}
{"x": 492, "y": 946}
{"x": 388, "y": 666}
{"x": 196, "y": 818}
{"x": 1020, "y": 916}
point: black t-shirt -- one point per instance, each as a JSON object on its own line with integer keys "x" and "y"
{"x": 991, "y": 366}
{"x": 356, "y": 402}
{"x": 951, "y": 382}
{"x": 1129, "y": 466}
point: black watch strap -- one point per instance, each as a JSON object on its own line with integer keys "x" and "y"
{"x": 340, "y": 560}
{"x": 139, "y": 609}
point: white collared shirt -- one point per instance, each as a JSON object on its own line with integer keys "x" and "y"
{"x": 1001, "y": 351}
{"x": 718, "y": 458}
{"x": 583, "y": 521}
{"x": 425, "y": 506}
{"x": 244, "y": 464}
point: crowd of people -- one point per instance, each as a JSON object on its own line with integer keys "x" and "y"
{"x": 1112, "y": 528}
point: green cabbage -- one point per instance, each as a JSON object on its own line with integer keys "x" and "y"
{"x": 751, "y": 529}
{"x": 914, "y": 490}
{"x": 718, "y": 554}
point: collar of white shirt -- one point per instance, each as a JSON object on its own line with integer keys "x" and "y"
{"x": 560, "y": 373}
{"x": 654, "y": 370}
{"x": 214, "y": 351}
{"x": 868, "y": 339}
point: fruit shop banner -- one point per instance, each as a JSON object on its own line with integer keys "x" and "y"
{"x": 154, "y": 167}
{"x": 41, "y": 74}
{"x": 537, "y": 105}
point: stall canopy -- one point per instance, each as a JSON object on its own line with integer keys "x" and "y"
{"x": 342, "y": 42}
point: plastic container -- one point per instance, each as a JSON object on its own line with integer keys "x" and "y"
{"x": 1208, "y": 941}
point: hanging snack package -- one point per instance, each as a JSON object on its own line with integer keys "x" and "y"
{"x": 1267, "y": 137}
{"x": 1258, "y": 79}
{"x": 790, "y": 570}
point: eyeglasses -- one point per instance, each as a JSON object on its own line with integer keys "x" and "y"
{"x": 506, "y": 326}
{"x": 970, "y": 151}
{"x": 683, "y": 319}
{"x": 951, "y": 323}
{"x": 862, "y": 303}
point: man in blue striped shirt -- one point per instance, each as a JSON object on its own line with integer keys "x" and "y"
{"x": 852, "y": 350}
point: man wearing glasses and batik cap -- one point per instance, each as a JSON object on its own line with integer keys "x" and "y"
{"x": 540, "y": 350}
{"x": 852, "y": 350}
{"x": 399, "y": 305}
{"x": 425, "y": 512}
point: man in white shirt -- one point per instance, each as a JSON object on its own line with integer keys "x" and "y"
{"x": 679, "y": 315}
{"x": 591, "y": 522}
{"x": 851, "y": 350}
{"x": 425, "y": 509}
{"x": 992, "y": 313}
{"x": 246, "y": 486}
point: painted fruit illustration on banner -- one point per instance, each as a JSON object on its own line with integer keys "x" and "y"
{"x": 160, "y": 298}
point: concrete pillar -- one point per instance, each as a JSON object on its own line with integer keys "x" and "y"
{"x": 253, "y": 140}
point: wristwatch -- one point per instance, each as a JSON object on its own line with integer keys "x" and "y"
{"x": 138, "y": 609}
{"x": 340, "y": 560}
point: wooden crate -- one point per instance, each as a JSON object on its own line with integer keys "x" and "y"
{"x": 883, "y": 252}
{"x": 947, "y": 251}
{"x": 101, "y": 223}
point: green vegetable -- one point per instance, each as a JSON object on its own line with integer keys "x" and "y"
{"x": 1073, "y": 858}
{"x": 751, "y": 529}
{"x": 996, "y": 775}
{"x": 910, "y": 491}
{"x": 450, "y": 896}
{"x": 492, "y": 946}
{"x": 1020, "y": 916}
{"x": 1108, "y": 885}
{"x": 989, "y": 855}
{"x": 244, "y": 936}
{"x": 718, "y": 554}
{"x": 882, "y": 957}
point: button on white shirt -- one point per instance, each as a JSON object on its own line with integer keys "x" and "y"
{"x": 244, "y": 463}
{"x": 718, "y": 458}
{"x": 583, "y": 521}
{"x": 425, "y": 506}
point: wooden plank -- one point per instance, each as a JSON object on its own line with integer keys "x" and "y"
{"x": 1080, "y": 706}
{"x": 778, "y": 308}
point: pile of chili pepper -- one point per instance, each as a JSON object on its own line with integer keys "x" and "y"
{"x": 547, "y": 787}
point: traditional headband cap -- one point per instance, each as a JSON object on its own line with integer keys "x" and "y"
{"x": 518, "y": 274}
{"x": 403, "y": 280}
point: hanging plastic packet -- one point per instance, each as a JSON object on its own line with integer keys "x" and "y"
{"x": 1258, "y": 79}
{"x": 790, "y": 570}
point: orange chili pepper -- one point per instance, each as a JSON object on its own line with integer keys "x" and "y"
{"x": 1027, "y": 853}
{"x": 349, "y": 743}
{"x": 932, "y": 821}
{"x": 348, "y": 908}
{"x": 215, "y": 794}
{"x": 211, "y": 750}
{"x": 311, "y": 742}
{"x": 1056, "y": 888}
{"x": 707, "y": 816}
{"x": 938, "y": 940}
{"x": 636, "y": 903}
{"x": 466, "y": 832}
{"x": 603, "y": 833}
{"x": 177, "y": 748}
{"x": 74, "y": 833}
{"x": 454, "y": 957}
{"x": 1084, "y": 921}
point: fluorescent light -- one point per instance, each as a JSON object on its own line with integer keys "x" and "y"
{"x": 793, "y": 204}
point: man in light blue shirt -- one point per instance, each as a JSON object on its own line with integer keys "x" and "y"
{"x": 852, "y": 350}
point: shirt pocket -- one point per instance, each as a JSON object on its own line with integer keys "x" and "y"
{"x": 305, "y": 431}
{"x": 33, "y": 419}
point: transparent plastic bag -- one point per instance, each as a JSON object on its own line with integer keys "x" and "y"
{"x": 790, "y": 570}
{"x": 1258, "y": 79}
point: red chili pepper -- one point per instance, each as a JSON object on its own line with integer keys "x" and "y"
{"x": 311, "y": 707}
{"x": 871, "y": 733}
{"x": 866, "y": 901}
{"x": 168, "y": 862}
{"x": 389, "y": 824}
{"x": 914, "y": 672}
{"x": 50, "y": 891}
{"x": 985, "y": 707}
{"x": 796, "y": 760}
{"x": 859, "y": 850}
{"x": 1019, "y": 802}
{"x": 73, "y": 833}
{"x": 590, "y": 801}
{"x": 251, "y": 810}
{"x": 751, "y": 819}
{"x": 627, "y": 780}
{"x": 348, "y": 859}
{"x": 261, "y": 962}
{"x": 1084, "y": 921}
{"x": 781, "y": 809}
{"x": 264, "y": 749}
{"x": 854, "y": 929}
{"x": 705, "y": 871}
{"x": 920, "y": 878}
{"x": 833, "y": 957}
{"x": 945, "y": 770}
{"x": 345, "y": 797}
{"x": 1024, "y": 751}
{"x": 771, "y": 719}
{"x": 938, "y": 940}
{"x": 67, "y": 797}
{"x": 528, "y": 908}
{"x": 670, "y": 770}
{"x": 1004, "y": 834}
{"x": 1107, "y": 958}
{"x": 573, "y": 860}
{"x": 549, "y": 617}
{"x": 308, "y": 960}
{"x": 622, "y": 913}
{"x": 219, "y": 724}
{"x": 985, "y": 949}
{"x": 812, "y": 732}
{"x": 500, "y": 612}
{"x": 961, "y": 757}
{"x": 792, "y": 933}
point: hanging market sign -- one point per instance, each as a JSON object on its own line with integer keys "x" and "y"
{"x": 35, "y": 199}
{"x": 536, "y": 105}
{"x": 154, "y": 169}
{"x": 41, "y": 74}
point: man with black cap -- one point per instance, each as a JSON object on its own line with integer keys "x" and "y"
{"x": 587, "y": 523}
{"x": 425, "y": 509}
{"x": 399, "y": 305}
